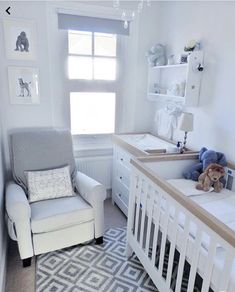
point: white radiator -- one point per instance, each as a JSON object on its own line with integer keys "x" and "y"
{"x": 98, "y": 168}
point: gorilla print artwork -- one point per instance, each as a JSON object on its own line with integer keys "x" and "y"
{"x": 22, "y": 42}
{"x": 20, "y": 39}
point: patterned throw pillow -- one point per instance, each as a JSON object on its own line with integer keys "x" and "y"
{"x": 49, "y": 184}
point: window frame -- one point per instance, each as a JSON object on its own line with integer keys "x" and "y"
{"x": 93, "y": 56}
{"x": 95, "y": 85}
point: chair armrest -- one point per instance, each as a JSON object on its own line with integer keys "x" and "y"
{"x": 92, "y": 191}
{"x": 95, "y": 194}
{"x": 19, "y": 212}
{"x": 17, "y": 204}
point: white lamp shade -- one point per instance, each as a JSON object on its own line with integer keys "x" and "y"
{"x": 186, "y": 122}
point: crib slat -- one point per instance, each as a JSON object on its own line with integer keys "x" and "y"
{"x": 209, "y": 266}
{"x": 194, "y": 262}
{"x": 164, "y": 235}
{"x": 138, "y": 207}
{"x": 172, "y": 248}
{"x": 133, "y": 190}
{"x": 131, "y": 213}
{"x": 156, "y": 227}
{"x": 226, "y": 273}
{"x": 182, "y": 254}
{"x": 144, "y": 205}
{"x": 150, "y": 215}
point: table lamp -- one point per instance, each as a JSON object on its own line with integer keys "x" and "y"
{"x": 186, "y": 125}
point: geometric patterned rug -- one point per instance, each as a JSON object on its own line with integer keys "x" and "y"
{"x": 93, "y": 268}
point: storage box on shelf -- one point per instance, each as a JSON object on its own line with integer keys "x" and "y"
{"x": 165, "y": 76}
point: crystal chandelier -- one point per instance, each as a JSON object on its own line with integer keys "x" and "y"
{"x": 130, "y": 15}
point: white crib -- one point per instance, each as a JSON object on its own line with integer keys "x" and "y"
{"x": 175, "y": 258}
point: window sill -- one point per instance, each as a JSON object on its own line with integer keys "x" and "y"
{"x": 93, "y": 151}
{"x": 92, "y": 145}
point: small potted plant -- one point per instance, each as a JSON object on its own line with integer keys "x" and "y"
{"x": 189, "y": 47}
{"x": 192, "y": 46}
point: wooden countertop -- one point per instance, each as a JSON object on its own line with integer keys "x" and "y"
{"x": 117, "y": 139}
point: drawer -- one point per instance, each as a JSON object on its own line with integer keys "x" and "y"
{"x": 123, "y": 157}
{"x": 122, "y": 192}
{"x": 122, "y": 175}
{"x": 121, "y": 205}
{"x": 123, "y": 198}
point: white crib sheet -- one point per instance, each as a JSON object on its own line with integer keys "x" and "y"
{"x": 221, "y": 205}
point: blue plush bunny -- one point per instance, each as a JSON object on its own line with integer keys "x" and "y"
{"x": 206, "y": 157}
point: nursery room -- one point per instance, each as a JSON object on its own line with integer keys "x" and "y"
{"x": 117, "y": 141}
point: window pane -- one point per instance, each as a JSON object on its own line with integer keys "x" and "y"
{"x": 105, "y": 44}
{"x": 92, "y": 112}
{"x": 80, "y": 42}
{"x": 80, "y": 67}
{"x": 104, "y": 69}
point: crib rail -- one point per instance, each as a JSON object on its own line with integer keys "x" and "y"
{"x": 182, "y": 247}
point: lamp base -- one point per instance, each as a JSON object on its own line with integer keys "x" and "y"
{"x": 183, "y": 148}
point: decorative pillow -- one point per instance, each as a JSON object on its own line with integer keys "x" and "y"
{"x": 49, "y": 184}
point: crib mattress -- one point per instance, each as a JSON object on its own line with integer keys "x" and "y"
{"x": 221, "y": 205}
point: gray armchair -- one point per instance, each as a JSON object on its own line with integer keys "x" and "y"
{"x": 49, "y": 225}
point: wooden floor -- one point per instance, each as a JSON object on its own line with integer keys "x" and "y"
{"x": 23, "y": 279}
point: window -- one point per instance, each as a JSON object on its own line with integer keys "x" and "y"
{"x": 92, "y": 112}
{"x": 92, "y": 55}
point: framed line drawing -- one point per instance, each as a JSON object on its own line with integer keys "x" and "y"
{"x": 23, "y": 85}
{"x": 20, "y": 39}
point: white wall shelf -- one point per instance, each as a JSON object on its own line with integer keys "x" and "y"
{"x": 166, "y": 95}
{"x": 165, "y": 76}
{"x": 170, "y": 66}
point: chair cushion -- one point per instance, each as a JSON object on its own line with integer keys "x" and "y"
{"x": 51, "y": 215}
{"x": 49, "y": 184}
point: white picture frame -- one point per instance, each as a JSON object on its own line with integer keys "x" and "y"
{"x": 20, "y": 39}
{"x": 24, "y": 85}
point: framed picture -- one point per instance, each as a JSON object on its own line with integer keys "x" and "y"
{"x": 23, "y": 85}
{"x": 20, "y": 38}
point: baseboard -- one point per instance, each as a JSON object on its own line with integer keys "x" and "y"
{"x": 3, "y": 267}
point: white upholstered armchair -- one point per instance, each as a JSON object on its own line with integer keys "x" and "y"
{"x": 49, "y": 225}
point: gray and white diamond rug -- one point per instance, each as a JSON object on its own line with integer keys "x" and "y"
{"x": 93, "y": 268}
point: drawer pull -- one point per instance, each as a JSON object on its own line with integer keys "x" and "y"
{"x": 120, "y": 195}
{"x": 121, "y": 159}
{"x": 120, "y": 177}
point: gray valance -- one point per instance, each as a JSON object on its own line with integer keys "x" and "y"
{"x": 95, "y": 24}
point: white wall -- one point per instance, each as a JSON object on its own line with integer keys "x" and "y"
{"x": 213, "y": 24}
{"x": 148, "y": 35}
{"x": 134, "y": 112}
{"x": 172, "y": 23}
{"x": 3, "y": 235}
{"x": 17, "y": 116}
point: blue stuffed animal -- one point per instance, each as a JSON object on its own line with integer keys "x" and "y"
{"x": 206, "y": 157}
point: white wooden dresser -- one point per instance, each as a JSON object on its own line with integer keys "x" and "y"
{"x": 126, "y": 147}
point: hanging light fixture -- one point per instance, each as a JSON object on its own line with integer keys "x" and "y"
{"x": 127, "y": 15}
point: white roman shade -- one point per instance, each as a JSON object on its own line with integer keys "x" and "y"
{"x": 88, "y": 23}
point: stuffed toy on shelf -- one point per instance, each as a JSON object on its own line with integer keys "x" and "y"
{"x": 156, "y": 55}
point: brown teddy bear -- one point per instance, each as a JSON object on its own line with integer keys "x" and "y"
{"x": 211, "y": 178}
